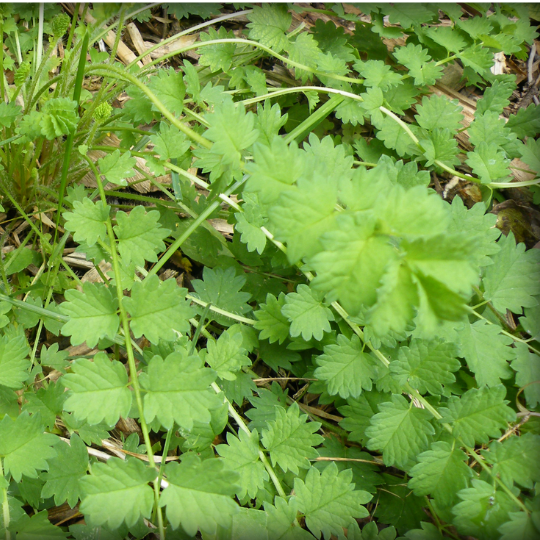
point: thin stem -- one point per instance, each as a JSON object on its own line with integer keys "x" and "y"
{"x": 215, "y": 309}
{"x": 5, "y": 503}
{"x": 129, "y": 348}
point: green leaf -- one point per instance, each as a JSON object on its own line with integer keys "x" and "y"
{"x": 59, "y": 118}
{"x": 269, "y": 25}
{"x": 408, "y": 15}
{"x": 400, "y": 430}
{"x": 527, "y": 367}
{"x": 98, "y": 390}
{"x": 526, "y": 122}
{"x": 169, "y": 142}
{"x": 530, "y": 154}
{"x": 219, "y": 56}
{"x": 440, "y": 146}
{"x": 274, "y": 169}
{"x": 272, "y": 325}
{"x": 495, "y": 97}
{"x": 14, "y": 361}
{"x": 521, "y": 526}
{"x": 329, "y": 501}
{"x": 353, "y": 260}
{"x": 378, "y": 74}
{"x": 140, "y": 236}
{"x": 8, "y": 113}
{"x": 138, "y": 109}
{"x": 486, "y": 351}
{"x": 482, "y": 511}
{"x": 199, "y": 494}
{"x": 428, "y": 530}
{"x": 426, "y": 365}
{"x": 232, "y": 131}
{"x": 37, "y": 527}
{"x": 226, "y": 355}
{"x": 517, "y": 459}
{"x": 116, "y": 167}
{"x": 395, "y": 137}
{"x": 178, "y": 390}
{"x": 480, "y": 413}
{"x": 475, "y": 26}
{"x": 512, "y": 281}
{"x": 282, "y": 522}
{"x": 332, "y": 39}
{"x": 417, "y": 60}
{"x": 290, "y": 439}
{"x": 65, "y": 471}
{"x": 169, "y": 88}
{"x": 304, "y": 50}
{"x": 308, "y": 315}
{"x": 158, "y": 309}
{"x": 24, "y": 447}
{"x": 301, "y": 215}
{"x": 476, "y": 57}
{"x": 488, "y": 163}
{"x": 439, "y": 112}
{"x": 47, "y": 401}
{"x": 358, "y": 412}
{"x": 221, "y": 287}
{"x": 92, "y": 314}
{"x": 446, "y": 36}
{"x": 241, "y": 454}
{"x": 249, "y": 223}
{"x": 440, "y": 472}
{"x": 489, "y": 128}
{"x": 346, "y": 368}
{"x": 87, "y": 221}
{"x": 264, "y": 406}
{"x": 117, "y": 492}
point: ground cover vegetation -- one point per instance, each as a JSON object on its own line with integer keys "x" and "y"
{"x": 269, "y": 276}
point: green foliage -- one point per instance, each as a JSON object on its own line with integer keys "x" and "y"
{"x": 273, "y": 284}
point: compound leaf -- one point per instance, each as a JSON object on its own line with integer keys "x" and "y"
{"x": 488, "y": 162}
{"x": 271, "y": 323}
{"x": 226, "y": 355}
{"x": 87, "y": 221}
{"x": 14, "y": 361}
{"x": 526, "y": 122}
{"x": 117, "y": 167}
{"x": 269, "y": 24}
{"x": 439, "y": 112}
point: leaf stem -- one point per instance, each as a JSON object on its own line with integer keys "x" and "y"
{"x": 129, "y": 348}
{"x": 5, "y": 502}
{"x": 215, "y": 309}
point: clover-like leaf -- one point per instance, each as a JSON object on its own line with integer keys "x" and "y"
{"x": 117, "y": 167}
{"x": 87, "y": 221}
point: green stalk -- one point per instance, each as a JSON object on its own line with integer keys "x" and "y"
{"x": 313, "y": 120}
{"x": 71, "y": 136}
{"x": 5, "y": 502}
{"x": 112, "y": 56}
{"x": 2, "y": 91}
{"x": 129, "y": 347}
{"x": 73, "y": 25}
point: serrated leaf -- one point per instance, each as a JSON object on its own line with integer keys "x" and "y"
{"x": 158, "y": 309}
{"x": 530, "y": 154}
{"x": 477, "y": 58}
{"x": 282, "y": 522}
{"x": 169, "y": 142}
{"x": 92, "y": 314}
{"x": 520, "y": 526}
{"x": 400, "y": 430}
{"x": 495, "y": 97}
{"x": 290, "y": 439}
{"x": 346, "y": 368}
{"x": 249, "y": 223}
{"x": 395, "y": 137}
{"x": 440, "y": 472}
{"x": 14, "y": 361}
{"x": 47, "y": 401}
{"x": 199, "y": 495}
{"x": 440, "y": 146}
{"x": 526, "y": 122}
{"x": 24, "y": 448}
{"x": 264, "y": 406}
{"x": 274, "y": 169}
{"x": 241, "y": 454}
{"x": 329, "y": 501}
{"x": 116, "y": 167}
{"x": 488, "y": 162}
{"x": 517, "y": 459}
{"x": 408, "y": 15}
{"x": 482, "y": 511}
{"x": 58, "y": 118}
{"x": 8, "y": 113}
{"x": 140, "y": 236}
{"x": 446, "y": 36}
{"x": 169, "y": 88}
{"x": 527, "y": 367}
{"x": 219, "y": 56}
{"x": 489, "y": 128}
{"x": 480, "y": 413}
{"x": 98, "y": 390}
{"x": 226, "y": 355}
{"x": 117, "y": 492}
{"x": 377, "y": 73}
{"x": 308, "y": 315}
{"x": 426, "y": 365}
{"x": 439, "y": 112}
{"x": 87, "y": 221}
{"x": 512, "y": 281}
{"x": 65, "y": 471}
{"x": 486, "y": 351}
{"x": 272, "y": 325}
{"x": 178, "y": 390}
{"x": 269, "y": 25}
{"x": 138, "y": 109}
{"x": 417, "y": 60}
{"x": 301, "y": 215}
{"x": 37, "y": 527}
{"x": 304, "y": 50}
{"x": 221, "y": 287}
